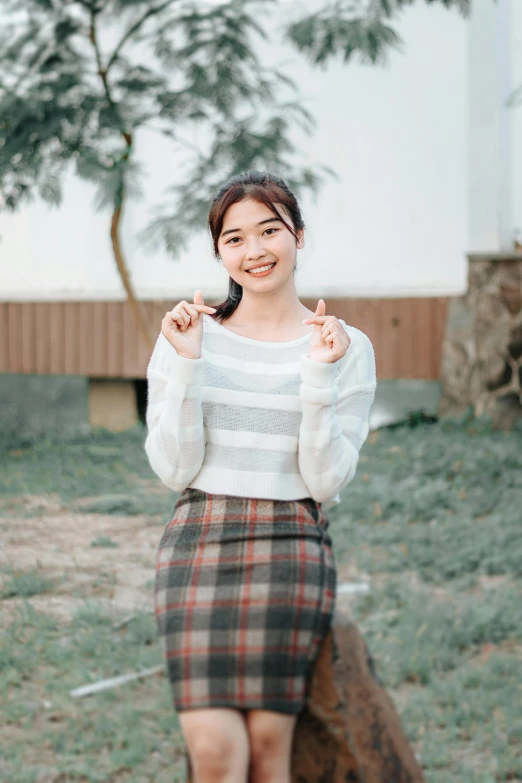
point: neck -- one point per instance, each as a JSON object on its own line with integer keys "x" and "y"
{"x": 274, "y": 309}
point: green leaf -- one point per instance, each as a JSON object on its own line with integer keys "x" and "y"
{"x": 65, "y": 28}
{"x": 320, "y": 38}
{"x": 515, "y": 97}
{"x": 50, "y": 191}
{"x": 245, "y": 146}
{"x": 179, "y": 63}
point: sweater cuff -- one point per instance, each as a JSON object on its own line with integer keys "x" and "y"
{"x": 321, "y": 374}
{"x": 183, "y": 370}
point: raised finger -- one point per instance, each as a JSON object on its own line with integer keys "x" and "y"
{"x": 196, "y": 309}
{"x": 205, "y": 308}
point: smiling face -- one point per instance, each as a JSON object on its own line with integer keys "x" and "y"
{"x": 252, "y": 236}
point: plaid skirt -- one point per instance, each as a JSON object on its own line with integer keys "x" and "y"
{"x": 244, "y": 595}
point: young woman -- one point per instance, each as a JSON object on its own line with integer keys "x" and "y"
{"x": 257, "y": 410}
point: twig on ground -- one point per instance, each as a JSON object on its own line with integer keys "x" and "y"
{"x": 124, "y": 621}
{"x": 349, "y": 588}
{"x": 113, "y": 682}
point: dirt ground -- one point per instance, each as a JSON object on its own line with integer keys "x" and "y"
{"x": 57, "y": 543}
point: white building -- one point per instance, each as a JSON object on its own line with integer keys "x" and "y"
{"x": 429, "y": 159}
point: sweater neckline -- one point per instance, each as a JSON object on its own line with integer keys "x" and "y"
{"x": 242, "y": 338}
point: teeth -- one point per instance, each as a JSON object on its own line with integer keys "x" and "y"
{"x": 260, "y": 269}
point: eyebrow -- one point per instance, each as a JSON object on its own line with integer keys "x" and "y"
{"x": 269, "y": 220}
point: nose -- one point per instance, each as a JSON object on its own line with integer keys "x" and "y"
{"x": 254, "y": 249}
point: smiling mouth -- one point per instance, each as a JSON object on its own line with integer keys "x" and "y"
{"x": 261, "y": 269}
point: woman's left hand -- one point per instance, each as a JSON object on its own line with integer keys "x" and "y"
{"x": 329, "y": 341}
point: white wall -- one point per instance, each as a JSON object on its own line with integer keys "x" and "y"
{"x": 516, "y": 132}
{"x": 495, "y": 130}
{"x": 395, "y": 223}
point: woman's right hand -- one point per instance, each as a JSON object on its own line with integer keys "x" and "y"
{"x": 183, "y": 326}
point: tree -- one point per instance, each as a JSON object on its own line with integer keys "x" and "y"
{"x": 64, "y": 101}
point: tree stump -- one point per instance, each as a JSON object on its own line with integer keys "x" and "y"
{"x": 349, "y": 730}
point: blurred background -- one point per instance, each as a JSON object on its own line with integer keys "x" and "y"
{"x": 398, "y": 123}
{"x": 402, "y": 141}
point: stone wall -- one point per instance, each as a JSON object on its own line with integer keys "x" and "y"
{"x": 482, "y": 349}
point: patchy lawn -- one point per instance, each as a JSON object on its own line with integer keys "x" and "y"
{"x": 432, "y": 521}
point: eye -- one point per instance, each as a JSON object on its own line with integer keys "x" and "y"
{"x": 231, "y": 241}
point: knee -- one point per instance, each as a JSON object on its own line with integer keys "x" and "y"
{"x": 212, "y": 761}
{"x": 264, "y": 745}
{"x": 269, "y": 746}
{"x": 216, "y": 754}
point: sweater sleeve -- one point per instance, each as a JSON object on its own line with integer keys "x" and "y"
{"x": 336, "y": 399}
{"x": 175, "y": 444}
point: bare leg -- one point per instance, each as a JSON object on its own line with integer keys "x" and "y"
{"x": 218, "y": 744}
{"x": 271, "y": 734}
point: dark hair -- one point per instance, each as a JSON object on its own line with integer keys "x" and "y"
{"x": 259, "y": 186}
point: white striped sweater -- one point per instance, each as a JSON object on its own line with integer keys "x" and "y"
{"x": 258, "y": 419}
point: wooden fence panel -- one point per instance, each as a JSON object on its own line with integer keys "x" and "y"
{"x": 55, "y": 321}
{"x": 101, "y": 339}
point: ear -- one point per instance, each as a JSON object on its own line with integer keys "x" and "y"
{"x": 300, "y": 238}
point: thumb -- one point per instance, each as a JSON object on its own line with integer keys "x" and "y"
{"x": 198, "y": 297}
{"x": 321, "y": 307}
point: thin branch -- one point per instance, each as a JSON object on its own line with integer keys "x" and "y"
{"x": 103, "y": 75}
{"x": 173, "y": 136}
{"x": 136, "y": 26}
{"x": 93, "y": 39}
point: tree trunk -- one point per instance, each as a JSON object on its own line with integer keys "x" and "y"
{"x": 349, "y": 730}
{"x": 482, "y": 350}
{"x": 135, "y": 306}
{"x": 136, "y": 309}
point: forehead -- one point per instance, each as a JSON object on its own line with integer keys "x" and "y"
{"x": 248, "y": 212}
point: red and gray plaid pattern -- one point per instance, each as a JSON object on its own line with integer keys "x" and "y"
{"x": 244, "y": 594}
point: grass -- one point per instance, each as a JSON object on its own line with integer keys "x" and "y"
{"x": 104, "y": 541}
{"x": 128, "y": 733}
{"x": 108, "y": 470}
{"x": 23, "y": 583}
{"x": 432, "y": 519}
{"x": 444, "y": 502}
